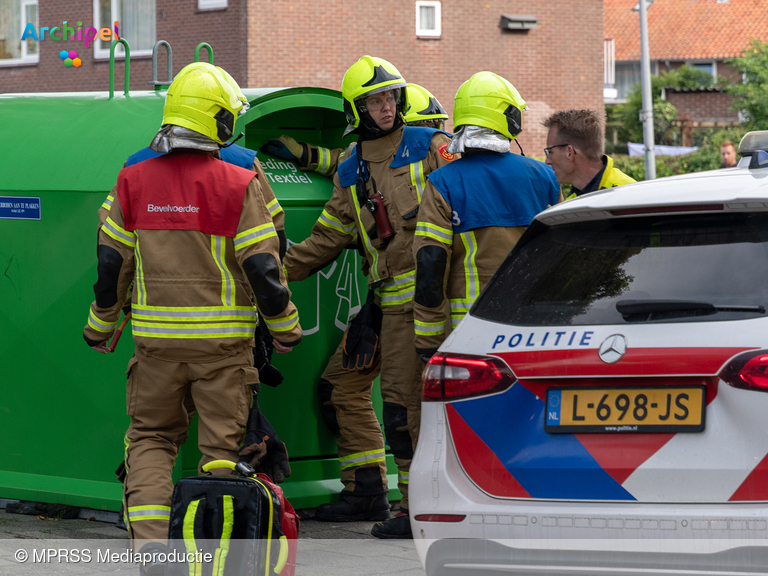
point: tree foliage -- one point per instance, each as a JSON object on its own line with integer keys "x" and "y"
{"x": 751, "y": 97}
{"x": 664, "y": 113}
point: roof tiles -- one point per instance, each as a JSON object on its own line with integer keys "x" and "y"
{"x": 687, "y": 29}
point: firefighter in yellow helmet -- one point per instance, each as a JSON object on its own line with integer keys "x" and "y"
{"x": 376, "y": 196}
{"x": 193, "y": 320}
{"x": 475, "y": 209}
{"x": 423, "y": 110}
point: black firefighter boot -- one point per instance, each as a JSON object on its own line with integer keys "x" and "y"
{"x": 398, "y": 527}
{"x": 354, "y": 507}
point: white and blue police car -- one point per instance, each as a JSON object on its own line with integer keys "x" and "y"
{"x": 603, "y": 407}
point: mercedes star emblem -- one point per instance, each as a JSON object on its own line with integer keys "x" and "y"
{"x": 612, "y": 348}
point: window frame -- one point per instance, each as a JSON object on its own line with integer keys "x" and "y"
{"x": 212, "y": 4}
{"x": 437, "y": 32}
{"x": 25, "y": 58}
{"x": 102, "y": 53}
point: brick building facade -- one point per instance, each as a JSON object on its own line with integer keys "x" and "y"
{"x": 709, "y": 106}
{"x": 556, "y": 65}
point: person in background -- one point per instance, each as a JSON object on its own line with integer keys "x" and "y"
{"x": 575, "y": 150}
{"x": 728, "y": 154}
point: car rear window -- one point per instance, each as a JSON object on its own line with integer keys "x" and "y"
{"x": 576, "y": 274}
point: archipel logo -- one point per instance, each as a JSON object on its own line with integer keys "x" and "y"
{"x": 70, "y": 58}
{"x": 69, "y": 33}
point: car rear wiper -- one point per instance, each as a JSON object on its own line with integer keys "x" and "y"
{"x": 628, "y": 307}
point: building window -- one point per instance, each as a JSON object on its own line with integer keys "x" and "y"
{"x": 708, "y": 67}
{"x": 15, "y": 15}
{"x": 627, "y": 75}
{"x": 211, "y": 4}
{"x": 429, "y": 19}
{"x": 136, "y": 23}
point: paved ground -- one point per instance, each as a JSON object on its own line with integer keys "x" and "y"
{"x": 324, "y": 548}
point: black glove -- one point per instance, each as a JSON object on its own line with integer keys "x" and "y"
{"x": 286, "y": 148}
{"x": 262, "y": 448}
{"x": 262, "y": 354}
{"x": 361, "y": 347}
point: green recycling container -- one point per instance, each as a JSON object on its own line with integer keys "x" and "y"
{"x": 62, "y": 406}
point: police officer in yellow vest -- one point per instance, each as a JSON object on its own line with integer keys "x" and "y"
{"x": 575, "y": 146}
{"x": 376, "y": 197}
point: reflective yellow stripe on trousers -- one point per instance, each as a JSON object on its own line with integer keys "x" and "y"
{"x": 361, "y": 458}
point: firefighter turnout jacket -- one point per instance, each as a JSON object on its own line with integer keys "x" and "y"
{"x": 195, "y": 253}
{"x": 326, "y": 161}
{"x": 398, "y": 164}
{"x": 473, "y": 213}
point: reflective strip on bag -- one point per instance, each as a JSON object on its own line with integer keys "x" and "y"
{"x": 274, "y": 208}
{"x": 417, "y": 178}
{"x": 100, "y": 325}
{"x": 220, "y": 556}
{"x": 188, "y": 533}
{"x": 254, "y": 235}
{"x": 435, "y": 232}
{"x": 335, "y": 224}
{"x": 285, "y": 324}
{"x": 428, "y": 328}
{"x": 118, "y": 233}
{"x": 360, "y": 458}
{"x": 150, "y": 512}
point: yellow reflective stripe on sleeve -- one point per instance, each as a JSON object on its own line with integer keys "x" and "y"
{"x": 274, "y": 208}
{"x": 108, "y": 202}
{"x": 397, "y": 290}
{"x": 118, "y": 233}
{"x": 254, "y": 235}
{"x": 218, "y": 251}
{"x": 434, "y": 231}
{"x": 428, "y": 328}
{"x": 150, "y": 512}
{"x": 361, "y": 458}
{"x": 417, "y": 178}
{"x": 188, "y": 533}
{"x": 335, "y": 224}
{"x": 100, "y": 325}
{"x": 460, "y": 305}
{"x": 471, "y": 277}
{"x": 323, "y": 160}
{"x": 285, "y": 324}
{"x": 374, "y": 268}
{"x": 220, "y": 556}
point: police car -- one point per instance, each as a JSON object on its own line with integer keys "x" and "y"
{"x": 603, "y": 408}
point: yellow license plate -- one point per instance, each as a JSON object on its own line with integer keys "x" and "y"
{"x": 625, "y": 409}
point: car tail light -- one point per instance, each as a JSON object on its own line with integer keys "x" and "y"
{"x": 748, "y": 371}
{"x": 455, "y": 376}
{"x": 439, "y": 517}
